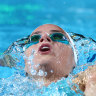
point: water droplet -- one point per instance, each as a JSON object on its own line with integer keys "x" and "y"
{"x": 41, "y": 73}
{"x": 51, "y": 71}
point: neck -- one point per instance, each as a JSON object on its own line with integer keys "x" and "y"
{"x": 49, "y": 80}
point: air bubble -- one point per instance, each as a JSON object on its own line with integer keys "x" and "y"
{"x": 33, "y": 72}
{"x": 40, "y": 73}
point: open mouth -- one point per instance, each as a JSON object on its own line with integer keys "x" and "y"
{"x": 44, "y": 49}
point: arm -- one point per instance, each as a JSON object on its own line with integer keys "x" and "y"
{"x": 87, "y": 81}
{"x": 90, "y": 89}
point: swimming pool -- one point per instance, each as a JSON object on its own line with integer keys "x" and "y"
{"x": 19, "y": 19}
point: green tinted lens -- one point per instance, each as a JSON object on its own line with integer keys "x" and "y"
{"x": 57, "y": 36}
{"x": 35, "y": 38}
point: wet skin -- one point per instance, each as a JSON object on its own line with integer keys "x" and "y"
{"x": 57, "y": 62}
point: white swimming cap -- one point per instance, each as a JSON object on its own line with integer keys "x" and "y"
{"x": 73, "y": 47}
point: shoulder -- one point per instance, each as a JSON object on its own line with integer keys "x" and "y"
{"x": 85, "y": 77}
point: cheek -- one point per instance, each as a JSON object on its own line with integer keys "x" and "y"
{"x": 60, "y": 49}
{"x": 31, "y": 54}
{"x": 63, "y": 52}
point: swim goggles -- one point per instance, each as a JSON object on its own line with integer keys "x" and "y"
{"x": 56, "y": 37}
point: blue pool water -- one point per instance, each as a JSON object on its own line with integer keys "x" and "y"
{"x": 18, "y": 19}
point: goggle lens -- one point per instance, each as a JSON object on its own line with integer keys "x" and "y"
{"x": 57, "y": 37}
{"x": 35, "y": 38}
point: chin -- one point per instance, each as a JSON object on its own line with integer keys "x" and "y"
{"x": 43, "y": 59}
{"x": 44, "y": 64}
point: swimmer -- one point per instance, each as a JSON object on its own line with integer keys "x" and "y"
{"x": 54, "y": 53}
{"x": 87, "y": 80}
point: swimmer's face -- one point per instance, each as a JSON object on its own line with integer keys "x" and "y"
{"x": 54, "y": 58}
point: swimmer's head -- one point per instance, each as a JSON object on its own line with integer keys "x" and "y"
{"x": 53, "y": 52}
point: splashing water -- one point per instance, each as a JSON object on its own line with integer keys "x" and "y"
{"x": 14, "y": 82}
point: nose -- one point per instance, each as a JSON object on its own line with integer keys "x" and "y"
{"x": 45, "y": 38}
